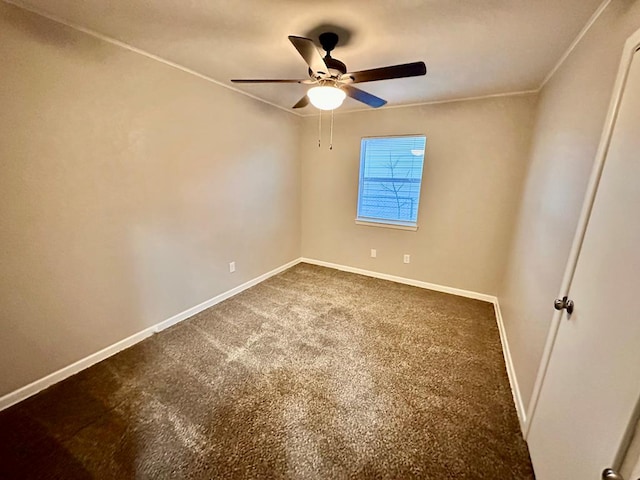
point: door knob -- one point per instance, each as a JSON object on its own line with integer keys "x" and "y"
{"x": 564, "y": 304}
{"x": 611, "y": 474}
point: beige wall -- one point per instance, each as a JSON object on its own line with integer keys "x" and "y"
{"x": 126, "y": 187}
{"x": 570, "y": 118}
{"x": 475, "y": 160}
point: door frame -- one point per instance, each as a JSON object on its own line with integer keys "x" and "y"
{"x": 631, "y": 46}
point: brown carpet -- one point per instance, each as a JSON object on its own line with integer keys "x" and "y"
{"x": 314, "y": 373}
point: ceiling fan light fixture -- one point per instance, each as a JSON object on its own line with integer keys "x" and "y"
{"x": 326, "y": 97}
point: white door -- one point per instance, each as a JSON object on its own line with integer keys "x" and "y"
{"x": 592, "y": 382}
{"x": 631, "y": 463}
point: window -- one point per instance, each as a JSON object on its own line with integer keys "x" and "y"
{"x": 390, "y": 179}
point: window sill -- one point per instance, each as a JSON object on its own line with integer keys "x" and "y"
{"x": 387, "y": 224}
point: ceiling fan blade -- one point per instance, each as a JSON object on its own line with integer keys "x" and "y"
{"x": 414, "y": 69}
{"x": 303, "y": 102}
{"x": 363, "y": 96}
{"x": 266, "y": 80}
{"x": 308, "y": 50}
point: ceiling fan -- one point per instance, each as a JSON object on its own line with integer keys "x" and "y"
{"x": 332, "y": 82}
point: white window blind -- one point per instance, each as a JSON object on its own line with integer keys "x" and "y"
{"x": 390, "y": 179}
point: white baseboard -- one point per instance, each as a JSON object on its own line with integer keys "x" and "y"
{"x": 31, "y": 389}
{"x": 513, "y": 381}
{"x": 511, "y": 372}
{"x": 55, "y": 377}
{"x": 406, "y": 281}
{"x": 34, "y": 387}
{"x": 223, "y": 296}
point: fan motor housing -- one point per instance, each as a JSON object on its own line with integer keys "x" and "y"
{"x": 328, "y": 40}
{"x": 336, "y": 65}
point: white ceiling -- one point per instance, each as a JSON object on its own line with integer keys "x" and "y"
{"x": 471, "y": 47}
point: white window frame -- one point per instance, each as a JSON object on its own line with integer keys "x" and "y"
{"x": 382, "y": 222}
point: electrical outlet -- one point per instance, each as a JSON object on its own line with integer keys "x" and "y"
{"x": 374, "y": 254}
{"x": 407, "y": 258}
{"x": 232, "y": 267}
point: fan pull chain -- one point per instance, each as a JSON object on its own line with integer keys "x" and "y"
{"x": 319, "y": 127}
{"x": 331, "y": 135}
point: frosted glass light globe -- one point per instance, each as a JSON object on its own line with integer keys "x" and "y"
{"x": 326, "y": 97}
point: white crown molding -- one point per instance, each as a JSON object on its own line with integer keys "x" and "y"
{"x": 144, "y": 53}
{"x": 575, "y": 42}
{"x": 114, "y": 41}
{"x": 434, "y": 102}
